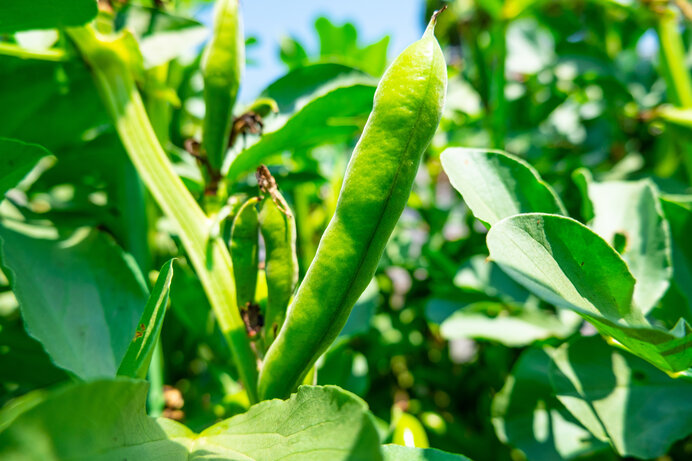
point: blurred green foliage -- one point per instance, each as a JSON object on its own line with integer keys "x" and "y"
{"x": 580, "y": 90}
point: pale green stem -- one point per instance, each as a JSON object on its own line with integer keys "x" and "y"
{"x": 498, "y": 102}
{"x": 209, "y": 257}
{"x": 52, "y": 54}
{"x": 155, "y": 374}
{"x": 677, "y": 76}
{"x": 673, "y": 59}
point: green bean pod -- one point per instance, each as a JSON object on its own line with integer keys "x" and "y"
{"x": 278, "y": 229}
{"x": 378, "y": 181}
{"x": 244, "y": 252}
{"x": 222, "y": 68}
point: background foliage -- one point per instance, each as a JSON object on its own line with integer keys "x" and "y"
{"x": 591, "y": 98}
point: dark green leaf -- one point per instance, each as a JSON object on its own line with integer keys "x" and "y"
{"x": 321, "y": 112}
{"x": 628, "y": 215}
{"x": 567, "y": 264}
{"x": 105, "y": 420}
{"x": 17, "y": 159}
{"x": 80, "y": 295}
{"x": 44, "y": 14}
{"x": 527, "y": 415}
{"x": 511, "y": 327}
{"x": 344, "y": 367}
{"x": 399, "y": 453}
{"x": 496, "y": 185}
{"x": 678, "y": 212}
{"x": 135, "y": 364}
{"x": 621, "y": 399}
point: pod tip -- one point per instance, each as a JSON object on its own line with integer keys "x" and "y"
{"x": 433, "y": 20}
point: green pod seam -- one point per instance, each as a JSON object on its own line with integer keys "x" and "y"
{"x": 278, "y": 228}
{"x": 379, "y": 177}
{"x": 245, "y": 252}
{"x": 222, "y": 68}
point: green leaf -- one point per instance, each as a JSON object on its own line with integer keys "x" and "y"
{"x": 292, "y": 53}
{"x": 43, "y": 96}
{"x": 105, "y": 420}
{"x": 340, "y": 44}
{"x": 44, "y": 14}
{"x": 512, "y": 327}
{"x": 565, "y": 263}
{"x": 329, "y": 106}
{"x": 496, "y": 185}
{"x": 628, "y": 215}
{"x": 678, "y": 212}
{"x": 621, "y": 399}
{"x": 483, "y": 276}
{"x": 526, "y": 414}
{"x": 80, "y": 295}
{"x": 100, "y": 420}
{"x": 163, "y": 36}
{"x": 398, "y": 453}
{"x": 17, "y": 159}
{"x": 23, "y": 362}
{"x": 317, "y": 423}
{"x": 344, "y": 367}
{"x": 135, "y": 364}
{"x": 295, "y": 89}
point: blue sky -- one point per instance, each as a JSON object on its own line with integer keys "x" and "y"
{"x": 270, "y": 20}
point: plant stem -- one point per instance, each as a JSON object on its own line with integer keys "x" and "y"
{"x": 498, "y": 102}
{"x": 108, "y": 60}
{"x": 155, "y": 398}
{"x": 673, "y": 60}
{"x": 52, "y": 54}
{"x": 677, "y": 76}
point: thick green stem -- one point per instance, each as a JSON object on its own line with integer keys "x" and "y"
{"x": 51, "y": 54}
{"x": 673, "y": 60}
{"x": 210, "y": 257}
{"x": 158, "y": 108}
{"x": 155, "y": 398}
{"x": 498, "y": 114}
{"x": 677, "y": 76}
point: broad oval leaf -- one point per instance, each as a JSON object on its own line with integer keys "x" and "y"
{"x": 567, "y": 264}
{"x": 678, "y": 212}
{"x": 105, "y": 420}
{"x": 526, "y": 414}
{"x": 315, "y": 424}
{"x": 99, "y": 420}
{"x": 80, "y": 296}
{"x": 513, "y": 327}
{"x": 44, "y": 14}
{"x": 398, "y": 453}
{"x": 621, "y": 399}
{"x": 17, "y": 159}
{"x": 496, "y": 185}
{"x": 628, "y": 215}
{"x": 330, "y": 106}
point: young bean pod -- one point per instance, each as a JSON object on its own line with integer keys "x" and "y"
{"x": 222, "y": 68}
{"x": 244, "y": 252}
{"x": 278, "y": 228}
{"x": 407, "y": 109}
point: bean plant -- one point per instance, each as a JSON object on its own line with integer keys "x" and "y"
{"x": 478, "y": 249}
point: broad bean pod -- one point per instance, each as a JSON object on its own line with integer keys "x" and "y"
{"x": 278, "y": 228}
{"x": 245, "y": 251}
{"x": 378, "y": 181}
{"x": 222, "y": 68}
